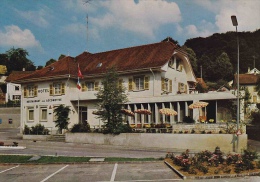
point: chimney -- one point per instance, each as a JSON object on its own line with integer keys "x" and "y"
{"x": 23, "y": 69}
{"x": 248, "y": 69}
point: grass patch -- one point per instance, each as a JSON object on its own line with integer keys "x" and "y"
{"x": 65, "y": 159}
{"x": 61, "y": 159}
{"x": 118, "y": 159}
{"x": 14, "y": 158}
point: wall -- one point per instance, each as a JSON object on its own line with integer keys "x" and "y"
{"x": 194, "y": 142}
{"x": 10, "y": 113}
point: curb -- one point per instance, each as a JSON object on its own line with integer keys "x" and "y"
{"x": 175, "y": 170}
{"x": 213, "y": 176}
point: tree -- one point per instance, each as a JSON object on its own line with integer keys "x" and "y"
{"x": 193, "y": 59}
{"x": 50, "y": 62}
{"x": 111, "y": 96}
{"x": 61, "y": 56}
{"x": 258, "y": 86}
{"x": 62, "y": 114}
{"x": 17, "y": 60}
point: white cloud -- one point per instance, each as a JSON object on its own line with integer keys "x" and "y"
{"x": 36, "y": 17}
{"x": 14, "y": 36}
{"x": 144, "y": 17}
{"x": 247, "y": 12}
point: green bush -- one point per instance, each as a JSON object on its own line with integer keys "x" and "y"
{"x": 80, "y": 127}
{"x": 38, "y": 129}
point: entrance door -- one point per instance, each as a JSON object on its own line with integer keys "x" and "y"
{"x": 83, "y": 114}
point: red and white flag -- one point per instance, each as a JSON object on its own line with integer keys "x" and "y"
{"x": 78, "y": 85}
{"x": 79, "y": 73}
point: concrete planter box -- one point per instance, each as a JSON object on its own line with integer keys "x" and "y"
{"x": 35, "y": 137}
{"x": 197, "y": 142}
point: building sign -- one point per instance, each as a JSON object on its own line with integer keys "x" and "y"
{"x": 44, "y": 90}
{"x": 44, "y": 100}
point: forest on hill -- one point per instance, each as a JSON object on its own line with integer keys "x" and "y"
{"x": 217, "y": 54}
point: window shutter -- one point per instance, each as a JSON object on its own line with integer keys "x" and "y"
{"x": 25, "y": 92}
{"x": 62, "y": 88}
{"x": 96, "y": 86}
{"x": 35, "y": 91}
{"x": 84, "y": 88}
{"x": 179, "y": 87}
{"x": 51, "y": 89}
{"x": 146, "y": 82}
{"x": 170, "y": 85}
{"x": 185, "y": 88}
{"x": 130, "y": 84}
{"x": 163, "y": 84}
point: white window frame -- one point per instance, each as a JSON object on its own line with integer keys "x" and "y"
{"x": 43, "y": 108}
{"x": 30, "y": 109}
{"x": 139, "y": 83}
{"x": 57, "y": 88}
{"x": 30, "y": 91}
{"x": 90, "y": 86}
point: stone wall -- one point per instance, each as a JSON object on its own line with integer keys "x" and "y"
{"x": 10, "y": 117}
{"x": 194, "y": 142}
{"x": 206, "y": 128}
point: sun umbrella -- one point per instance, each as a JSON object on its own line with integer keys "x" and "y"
{"x": 168, "y": 112}
{"x": 143, "y": 111}
{"x": 127, "y": 112}
{"x": 198, "y": 105}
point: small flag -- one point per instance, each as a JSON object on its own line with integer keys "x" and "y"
{"x": 78, "y": 85}
{"x": 79, "y": 73}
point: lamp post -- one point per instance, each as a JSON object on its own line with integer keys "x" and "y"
{"x": 235, "y": 23}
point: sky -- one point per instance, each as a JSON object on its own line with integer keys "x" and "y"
{"x": 49, "y": 28}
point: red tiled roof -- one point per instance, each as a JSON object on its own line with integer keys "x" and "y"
{"x": 15, "y": 75}
{"x": 127, "y": 59}
{"x": 247, "y": 79}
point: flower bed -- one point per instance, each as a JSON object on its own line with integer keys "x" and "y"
{"x": 214, "y": 164}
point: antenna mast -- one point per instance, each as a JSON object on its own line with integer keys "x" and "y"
{"x": 87, "y": 32}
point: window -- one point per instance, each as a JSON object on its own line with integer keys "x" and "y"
{"x": 171, "y": 63}
{"x": 43, "y": 113}
{"x": 166, "y": 85}
{"x": 57, "y": 89}
{"x": 138, "y": 83}
{"x": 16, "y": 97}
{"x": 182, "y": 88}
{"x": 16, "y": 88}
{"x": 254, "y": 99}
{"x": 30, "y": 114}
{"x": 90, "y": 86}
{"x": 30, "y": 91}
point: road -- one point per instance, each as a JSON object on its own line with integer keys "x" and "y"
{"x": 124, "y": 172}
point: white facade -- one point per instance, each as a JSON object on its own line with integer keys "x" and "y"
{"x": 171, "y": 86}
{"x": 13, "y": 92}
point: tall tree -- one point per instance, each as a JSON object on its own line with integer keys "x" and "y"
{"x": 193, "y": 59}
{"x": 111, "y": 96}
{"x": 17, "y": 60}
{"x": 50, "y": 62}
{"x": 222, "y": 69}
{"x": 62, "y": 115}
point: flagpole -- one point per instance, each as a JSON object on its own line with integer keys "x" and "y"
{"x": 79, "y": 87}
{"x": 78, "y": 104}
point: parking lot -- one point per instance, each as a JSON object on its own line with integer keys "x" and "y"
{"x": 148, "y": 171}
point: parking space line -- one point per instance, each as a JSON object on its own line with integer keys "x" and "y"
{"x": 54, "y": 173}
{"x": 114, "y": 173}
{"x": 9, "y": 169}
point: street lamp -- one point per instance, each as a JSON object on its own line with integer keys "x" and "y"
{"x": 235, "y": 23}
